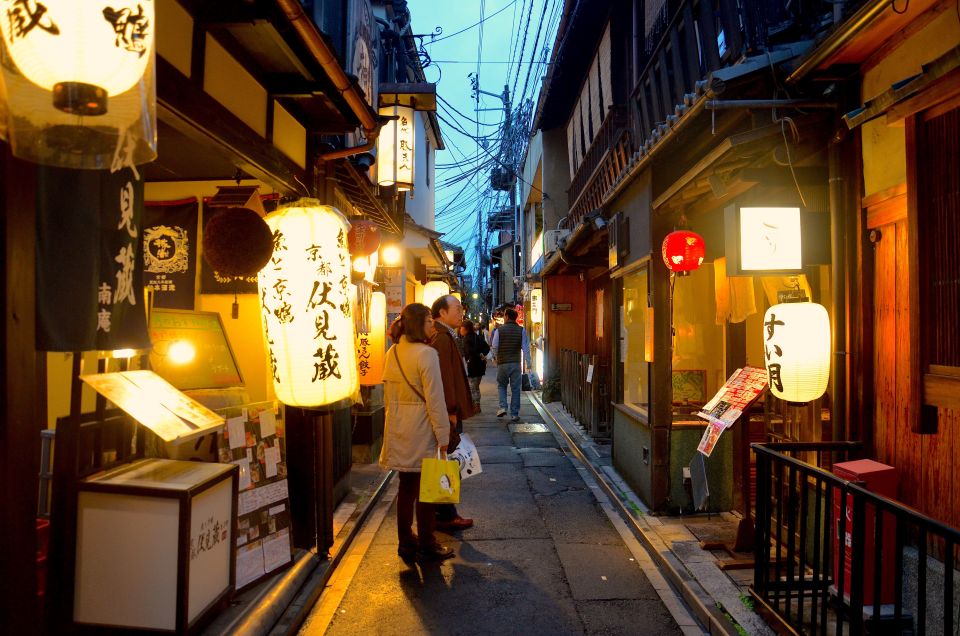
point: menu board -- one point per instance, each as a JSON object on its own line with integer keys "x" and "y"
{"x": 254, "y": 439}
{"x": 191, "y": 350}
{"x": 740, "y": 390}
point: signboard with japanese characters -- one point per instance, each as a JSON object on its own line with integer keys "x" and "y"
{"x": 170, "y": 252}
{"x": 255, "y": 440}
{"x": 371, "y": 343}
{"x": 734, "y": 398}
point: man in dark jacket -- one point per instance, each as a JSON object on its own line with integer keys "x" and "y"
{"x": 511, "y": 346}
{"x": 448, "y": 316}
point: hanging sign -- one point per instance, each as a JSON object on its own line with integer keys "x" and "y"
{"x": 170, "y": 252}
{"x": 371, "y": 343}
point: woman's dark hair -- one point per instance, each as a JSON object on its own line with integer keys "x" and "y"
{"x": 410, "y": 324}
{"x": 468, "y": 325}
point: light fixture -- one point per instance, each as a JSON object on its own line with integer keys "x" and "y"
{"x": 371, "y": 344}
{"x": 475, "y": 295}
{"x": 122, "y": 354}
{"x": 392, "y": 256}
{"x": 78, "y": 81}
{"x": 683, "y": 251}
{"x": 306, "y": 305}
{"x": 396, "y": 147}
{"x": 361, "y": 264}
{"x": 770, "y": 239}
{"x": 434, "y": 289}
{"x": 181, "y": 352}
{"x": 796, "y": 347}
{"x": 536, "y": 305}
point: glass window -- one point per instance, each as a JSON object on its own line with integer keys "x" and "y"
{"x": 635, "y": 346}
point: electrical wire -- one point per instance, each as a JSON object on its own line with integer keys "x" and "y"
{"x": 476, "y": 24}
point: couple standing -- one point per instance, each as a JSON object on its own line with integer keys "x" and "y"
{"x": 426, "y": 399}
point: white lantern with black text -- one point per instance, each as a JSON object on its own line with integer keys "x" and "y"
{"x": 395, "y": 147}
{"x": 78, "y": 81}
{"x": 306, "y": 306}
{"x": 796, "y": 347}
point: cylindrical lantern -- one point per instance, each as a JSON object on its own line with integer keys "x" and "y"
{"x": 371, "y": 344}
{"x": 683, "y": 251}
{"x": 78, "y": 81}
{"x": 433, "y": 290}
{"x": 796, "y": 347}
{"x": 306, "y": 306}
{"x": 395, "y": 148}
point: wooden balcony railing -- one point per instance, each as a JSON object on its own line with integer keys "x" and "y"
{"x": 604, "y": 160}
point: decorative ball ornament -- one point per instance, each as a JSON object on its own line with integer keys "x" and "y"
{"x": 237, "y": 242}
{"x": 364, "y": 237}
{"x": 683, "y": 251}
{"x": 796, "y": 346}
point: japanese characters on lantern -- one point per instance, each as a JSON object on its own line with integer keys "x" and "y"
{"x": 395, "y": 148}
{"x": 306, "y": 306}
{"x": 371, "y": 344}
{"x": 683, "y": 251}
{"x": 796, "y": 349}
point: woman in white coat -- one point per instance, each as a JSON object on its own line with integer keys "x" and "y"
{"x": 415, "y": 428}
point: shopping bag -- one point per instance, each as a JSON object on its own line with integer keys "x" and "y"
{"x": 439, "y": 481}
{"x": 467, "y": 457}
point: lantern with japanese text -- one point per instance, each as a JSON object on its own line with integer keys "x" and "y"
{"x": 796, "y": 347}
{"x": 306, "y": 306}
{"x": 371, "y": 344}
{"x": 433, "y": 290}
{"x": 683, "y": 251}
{"x": 395, "y": 147}
{"x": 78, "y": 80}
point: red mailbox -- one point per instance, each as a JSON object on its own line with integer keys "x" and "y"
{"x": 881, "y": 479}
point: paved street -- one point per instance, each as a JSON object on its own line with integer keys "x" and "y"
{"x": 543, "y": 558}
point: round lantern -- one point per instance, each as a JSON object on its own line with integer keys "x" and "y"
{"x": 433, "y": 290}
{"x": 237, "y": 242}
{"x": 364, "y": 237}
{"x": 796, "y": 347}
{"x": 372, "y": 344}
{"x": 683, "y": 251}
{"x": 72, "y": 59}
{"x": 306, "y": 304}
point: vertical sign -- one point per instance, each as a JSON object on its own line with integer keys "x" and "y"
{"x": 371, "y": 343}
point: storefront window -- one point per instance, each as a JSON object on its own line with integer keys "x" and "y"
{"x": 698, "y": 354}
{"x": 635, "y": 342}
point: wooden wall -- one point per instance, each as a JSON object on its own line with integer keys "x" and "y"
{"x": 927, "y": 464}
{"x": 565, "y": 329}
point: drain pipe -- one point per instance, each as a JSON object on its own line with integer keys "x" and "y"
{"x": 838, "y": 254}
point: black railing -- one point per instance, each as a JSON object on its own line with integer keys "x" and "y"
{"x": 892, "y": 572}
{"x": 584, "y": 390}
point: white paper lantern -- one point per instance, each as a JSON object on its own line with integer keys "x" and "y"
{"x": 306, "y": 306}
{"x": 433, "y": 290}
{"x": 371, "y": 344}
{"x": 396, "y": 151}
{"x": 796, "y": 345}
{"x": 79, "y": 82}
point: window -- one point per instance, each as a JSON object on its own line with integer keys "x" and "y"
{"x": 636, "y": 342}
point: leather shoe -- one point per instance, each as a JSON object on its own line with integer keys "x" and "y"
{"x": 407, "y": 554}
{"x": 455, "y": 524}
{"x": 436, "y": 552}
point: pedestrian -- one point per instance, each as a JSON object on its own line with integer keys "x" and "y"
{"x": 448, "y": 316}
{"x": 475, "y": 349}
{"x": 415, "y": 427}
{"x": 511, "y": 346}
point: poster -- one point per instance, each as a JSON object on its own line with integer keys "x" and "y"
{"x": 740, "y": 390}
{"x": 170, "y": 252}
{"x": 254, "y": 439}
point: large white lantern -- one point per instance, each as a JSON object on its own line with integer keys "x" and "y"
{"x": 78, "y": 80}
{"x": 395, "y": 147}
{"x": 433, "y": 290}
{"x": 796, "y": 346}
{"x": 306, "y": 306}
{"x": 371, "y": 344}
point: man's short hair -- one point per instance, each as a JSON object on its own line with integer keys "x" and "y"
{"x": 511, "y": 315}
{"x": 440, "y": 303}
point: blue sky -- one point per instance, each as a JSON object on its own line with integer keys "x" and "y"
{"x": 504, "y": 56}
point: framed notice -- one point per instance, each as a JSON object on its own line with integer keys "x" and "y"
{"x": 191, "y": 350}
{"x": 254, "y": 439}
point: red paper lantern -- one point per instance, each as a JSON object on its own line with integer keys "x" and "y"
{"x": 364, "y": 238}
{"x": 683, "y": 251}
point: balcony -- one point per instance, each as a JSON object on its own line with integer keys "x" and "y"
{"x": 604, "y": 161}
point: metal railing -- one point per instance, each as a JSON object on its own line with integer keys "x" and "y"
{"x": 892, "y": 572}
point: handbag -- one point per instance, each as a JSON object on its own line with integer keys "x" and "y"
{"x": 439, "y": 481}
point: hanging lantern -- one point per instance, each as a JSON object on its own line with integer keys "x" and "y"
{"x": 683, "y": 251}
{"x": 796, "y": 345}
{"x": 395, "y": 148}
{"x": 306, "y": 306}
{"x": 371, "y": 343}
{"x": 433, "y": 290}
{"x": 78, "y": 80}
{"x": 364, "y": 237}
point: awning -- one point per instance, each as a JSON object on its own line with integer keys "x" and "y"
{"x": 360, "y": 192}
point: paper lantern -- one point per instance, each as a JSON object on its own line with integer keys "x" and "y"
{"x": 79, "y": 81}
{"x": 796, "y": 345}
{"x": 395, "y": 148}
{"x": 364, "y": 238}
{"x": 372, "y": 344}
{"x": 306, "y": 306}
{"x": 433, "y": 290}
{"x": 683, "y": 251}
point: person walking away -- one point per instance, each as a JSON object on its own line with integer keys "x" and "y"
{"x": 415, "y": 427}
{"x": 510, "y": 346}
{"x": 475, "y": 349}
{"x": 448, "y": 316}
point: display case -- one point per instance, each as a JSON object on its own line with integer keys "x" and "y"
{"x": 155, "y": 544}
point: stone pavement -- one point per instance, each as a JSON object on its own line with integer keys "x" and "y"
{"x": 545, "y": 556}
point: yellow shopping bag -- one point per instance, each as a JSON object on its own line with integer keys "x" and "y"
{"x": 440, "y": 481}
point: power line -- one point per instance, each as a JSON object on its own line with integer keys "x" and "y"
{"x": 465, "y": 29}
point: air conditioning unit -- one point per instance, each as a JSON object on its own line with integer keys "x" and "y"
{"x": 550, "y": 240}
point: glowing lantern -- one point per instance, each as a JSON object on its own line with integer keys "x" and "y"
{"x": 796, "y": 344}
{"x": 306, "y": 306}
{"x": 392, "y": 256}
{"x": 433, "y": 290}
{"x": 371, "y": 344}
{"x": 395, "y": 148}
{"x": 683, "y": 251}
{"x": 79, "y": 81}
